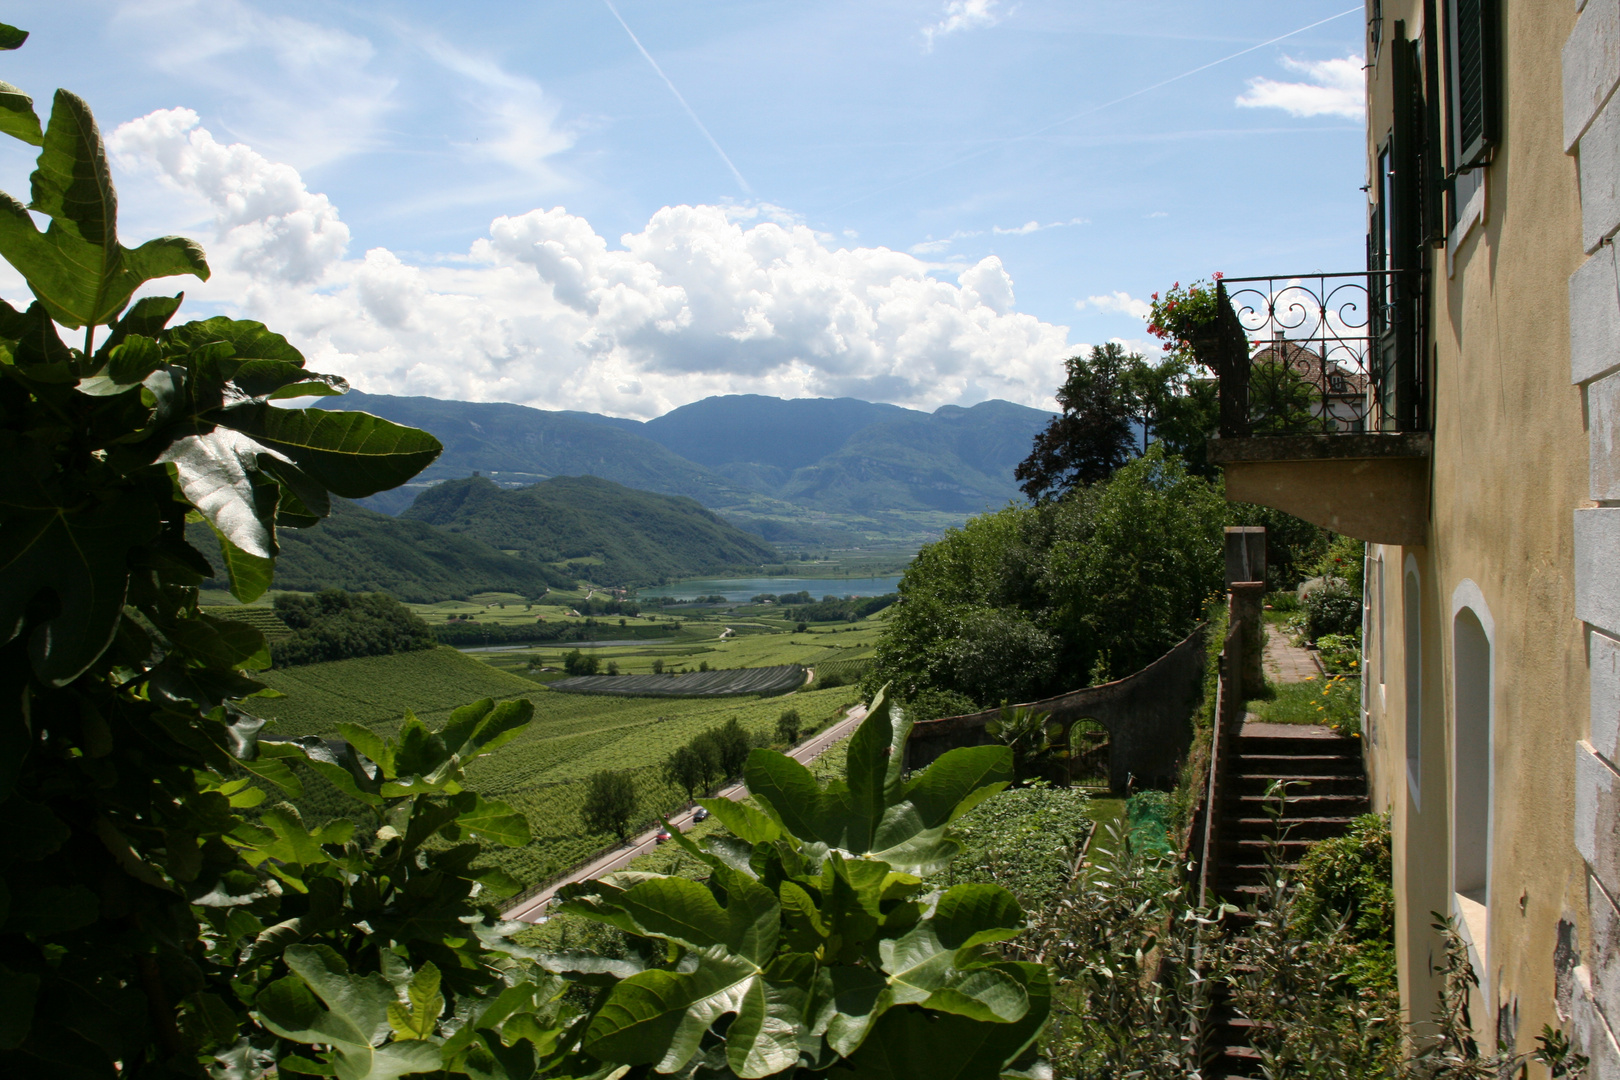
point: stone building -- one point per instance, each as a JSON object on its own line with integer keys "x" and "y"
{"x": 1486, "y": 480}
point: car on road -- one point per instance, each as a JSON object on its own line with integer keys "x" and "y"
{"x": 700, "y": 814}
{"x": 662, "y": 835}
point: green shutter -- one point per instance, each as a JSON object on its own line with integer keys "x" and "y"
{"x": 1472, "y": 27}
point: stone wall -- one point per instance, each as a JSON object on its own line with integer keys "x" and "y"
{"x": 1148, "y": 716}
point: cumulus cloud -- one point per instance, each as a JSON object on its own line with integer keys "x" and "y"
{"x": 544, "y": 311}
{"x": 1334, "y": 89}
{"x": 1119, "y": 303}
{"x": 962, "y": 15}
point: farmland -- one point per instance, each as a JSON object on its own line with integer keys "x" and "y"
{"x": 540, "y": 773}
{"x": 768, "y": 680}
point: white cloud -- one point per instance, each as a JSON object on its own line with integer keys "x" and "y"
{"x": 1120, "y": 303}
{"x": 305, "y": 92}
{"x": 962, "y": 15}
{"x": 543, "y": 311}
{"x": 266, "y": 221}
{"x": 519, "y": 121}
{"x": 1335, "y": 89}
{"x": 931, "y": 246}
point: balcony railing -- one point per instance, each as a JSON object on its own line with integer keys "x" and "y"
{"x": 1321, "y": 354}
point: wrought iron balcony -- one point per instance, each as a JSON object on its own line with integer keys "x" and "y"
{"x": 1320, "y": 354}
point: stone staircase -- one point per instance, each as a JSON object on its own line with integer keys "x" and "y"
{"x": 1327, "y": 790}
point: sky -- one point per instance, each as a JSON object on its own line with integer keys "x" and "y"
{"x": 623, "y": 206}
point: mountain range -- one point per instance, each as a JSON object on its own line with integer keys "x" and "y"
{"x": 812, "y": 470}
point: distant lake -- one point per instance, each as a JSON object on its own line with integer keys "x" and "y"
{"x": 744, "y": 589}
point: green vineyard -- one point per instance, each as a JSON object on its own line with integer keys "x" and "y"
{"x": 770, "y": 680}
{"x": 541, "y": 773}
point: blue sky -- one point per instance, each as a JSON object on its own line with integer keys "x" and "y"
{"x": 917, "y": 201}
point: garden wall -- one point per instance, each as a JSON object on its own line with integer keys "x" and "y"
{"x": 1149, "y": 717}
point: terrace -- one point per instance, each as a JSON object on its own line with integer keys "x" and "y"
{"x": 1324, "y": 409}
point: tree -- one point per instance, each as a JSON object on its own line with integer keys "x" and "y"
{"x": 1091, "y": 437}
{"x": 734, "y": 746}
{"x": 338, "y": 625}
{"x": 658, "y": 666}
{"x": 686, "y": 768}
{"x": 706, "y": 745}
{"x": 613, "y": 667}
{"x": 787, "y": 726}
{"x": 577, "y": 662}
{"x": 610, "y": 803}
{"x": 1033, "y": 738}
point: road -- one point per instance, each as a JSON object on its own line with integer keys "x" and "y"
{"x": 534, "y": 907}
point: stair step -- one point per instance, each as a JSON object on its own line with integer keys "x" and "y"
{"x": 1295, "y": 828}
{"x": 1316, "y": 804}
{"x": 1298, "y": 785}
{"x": 1296, "y": 744}
{"x": 1276, "y": 764}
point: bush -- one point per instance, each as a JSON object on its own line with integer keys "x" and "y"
{"x": 1331, "y": 610}
{"x": 580, "y": 663}
{"x": 1340, "y": 653}
{"x": 934, "y": 704}
{"x": 1347, "y": 879}
{"x": 787, "y": 726}
{"x": 1283, "y": 600}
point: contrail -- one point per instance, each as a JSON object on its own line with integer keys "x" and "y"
{"x": 712, "y": 141}
{"x": 1088, "y": 112}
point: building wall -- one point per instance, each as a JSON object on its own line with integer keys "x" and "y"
{"x": 1510, "y": 467}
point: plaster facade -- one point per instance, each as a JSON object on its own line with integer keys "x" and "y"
{"x": 1491, "y": 685}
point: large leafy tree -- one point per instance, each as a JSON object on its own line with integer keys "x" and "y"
{"x": 1091, "y": 437}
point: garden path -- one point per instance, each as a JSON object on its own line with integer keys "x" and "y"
{"x": 1286, "y": 662}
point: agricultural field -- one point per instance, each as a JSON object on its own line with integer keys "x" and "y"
{"x": 376, "y": 691}
{"x": 768, "y": 680}
{"x": 541, "y": 773}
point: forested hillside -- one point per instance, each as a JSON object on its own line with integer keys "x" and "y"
{"x": 811, "y": 470}
{"x": 624, "y": 537}
{"x": 361, "y": 550}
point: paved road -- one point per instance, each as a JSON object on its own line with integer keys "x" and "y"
{"x": 534, "y": 907}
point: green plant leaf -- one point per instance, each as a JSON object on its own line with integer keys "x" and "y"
{"x": 77, "y": 268}
{"x": 418, "y": 1015}
{"x": 354, "y": 454}
{"x": 218, "y": 472}
{"x": 249, "y": 575}
{"x": 909, "y": 1043}
{"x": 494, "y": 820}
{"x": 18, "y": 993}
{"x": 11, "y": 37}
{"x": 744, "y": 821}
{"x": 17, "y": 116}
{"x": 222, "y": 643}
{"x": 80, "y": 556}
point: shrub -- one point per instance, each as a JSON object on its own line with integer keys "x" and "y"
{"x": 1283, "y": 600}
{"x": 1332, "y": 611}
{"x": 787, "y": 726}
{"x": 1348, "y": 879}
{"x": 934, "y": 704}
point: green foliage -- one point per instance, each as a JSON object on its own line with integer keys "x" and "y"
{"x": 363, "y": 551}
{"x": 811, "y": 932}
{"x": 931, "y": 704}
{"x": 610, "y": 803}
{"x": 1340, "y": 653}
{"x": 1149, "y": 813}
{"x": 1026, "y": 839}
{"x": 580, "y": 663}
{"x": 1344, "y": 562}
{"x": 640, "y": 538}
{"x": 1332, "y": 610}
{"x": 1183, "y": 318}
{"x": 335, "y": 625}
{"x": 1008, "y": 606}
{"x": 787, "y": 726}
{"x": 1347, "y": 879}
{"x": 1091, "y": 437}
{"x": 833, "y": 609}
{"x": 1034, "y": 738}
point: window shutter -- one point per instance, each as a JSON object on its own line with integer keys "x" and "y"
{"x": 1472, "y": 80}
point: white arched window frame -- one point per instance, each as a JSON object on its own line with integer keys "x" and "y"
{"x": 1412, "y": 657}
{"x": 1472, "y": 762}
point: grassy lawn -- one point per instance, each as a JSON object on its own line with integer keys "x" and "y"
{"x": 1334, "y": 701}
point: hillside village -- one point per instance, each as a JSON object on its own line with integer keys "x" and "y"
{"x": 1253, "y": 713}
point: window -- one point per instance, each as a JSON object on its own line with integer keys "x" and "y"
{"x": 1413, "y": 619}
{"x": 1471, "y": 77}
{"x": 1375, "y": 30}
